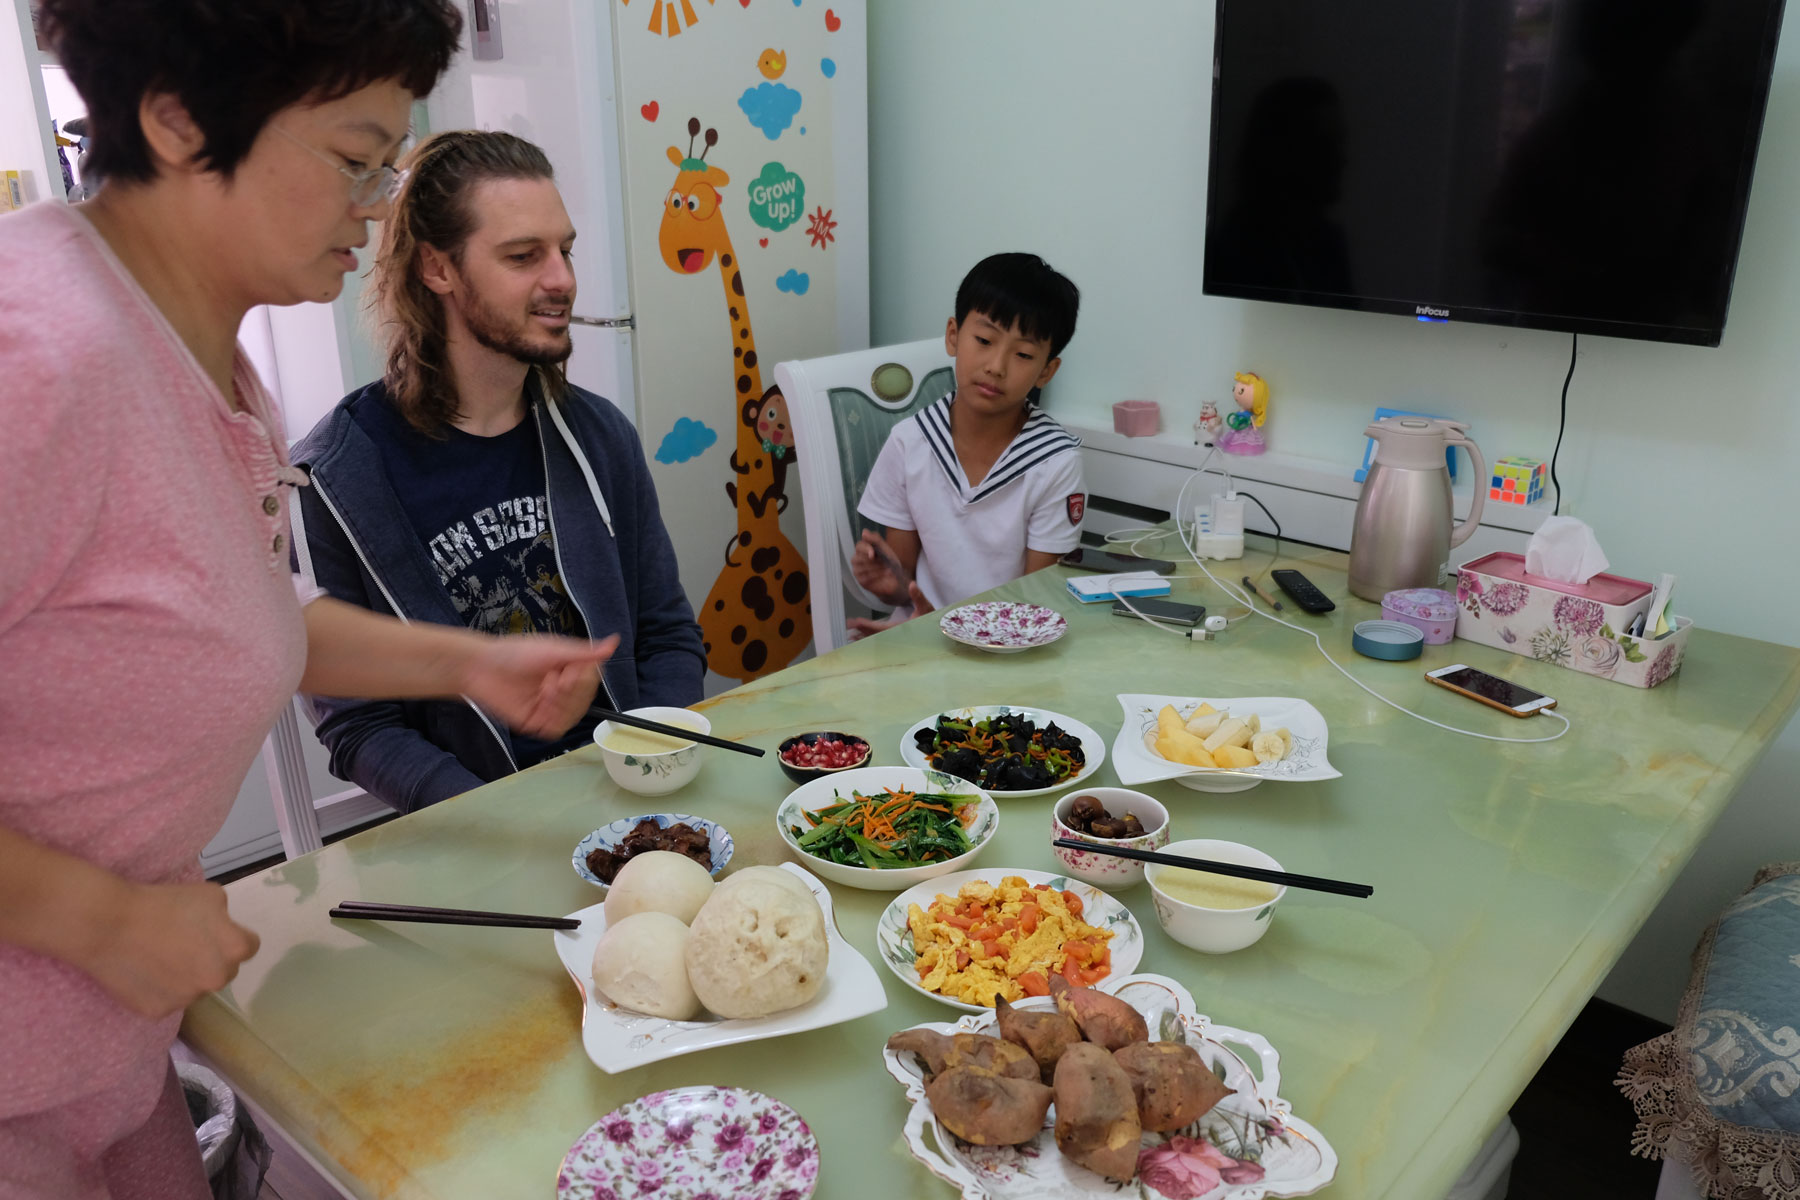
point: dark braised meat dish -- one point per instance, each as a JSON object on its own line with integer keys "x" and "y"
{"x": 681, "y": 838}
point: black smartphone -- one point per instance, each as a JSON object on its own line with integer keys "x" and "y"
{"x": 1084, "y": 559}
{"x": 1491, "y": 690}
{"x": 1172, "y": 611}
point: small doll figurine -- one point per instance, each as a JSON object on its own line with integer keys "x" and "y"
{"x": 1209, "y": 419}
{"x": 1243, "y": 428}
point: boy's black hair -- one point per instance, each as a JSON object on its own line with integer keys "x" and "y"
{"x": 235, "y": 63}
{"x": 1023, "y": 290}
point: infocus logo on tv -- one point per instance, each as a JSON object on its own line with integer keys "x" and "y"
{"x": 1425, "y": 310}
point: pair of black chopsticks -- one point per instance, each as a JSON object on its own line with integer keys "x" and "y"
{"x": 1361, "y": 891}
{"x": 365, "y": 910}
{"x": 675, "y": 731}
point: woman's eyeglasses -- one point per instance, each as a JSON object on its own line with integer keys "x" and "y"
{"x": 374, "y": 186}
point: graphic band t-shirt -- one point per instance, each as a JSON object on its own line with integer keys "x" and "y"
{"x": 479, "y": 505}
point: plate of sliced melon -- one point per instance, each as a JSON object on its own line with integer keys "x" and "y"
{"x": 1220, "y": 744}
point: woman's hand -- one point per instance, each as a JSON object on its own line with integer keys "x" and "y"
{"x": 165, "y": 945}
{"x": 539, "y": 686}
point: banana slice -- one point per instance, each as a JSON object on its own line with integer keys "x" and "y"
{"x": 1287, "y": 738}
{"x": 1204, "y": 725}
{"x": 1269, "y": 747}
{"x": 1232, "y": 732}
{"x": 1255, "y": 724}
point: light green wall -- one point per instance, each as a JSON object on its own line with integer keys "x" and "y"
{"x": 1079, "y": 131}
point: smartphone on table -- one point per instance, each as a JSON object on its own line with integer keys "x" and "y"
{"x": 1171, "y": 611}
{"x": 1084, "y": 559}
{"x": 1491, "y": 690}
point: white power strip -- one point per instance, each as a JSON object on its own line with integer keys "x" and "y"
{"x": 1219, "y": 527}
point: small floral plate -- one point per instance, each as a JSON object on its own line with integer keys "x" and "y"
{"x": 692, "y": 1143}
{"x": 1003, "y": 626}
{"x": 1248, "y": 1147}
{"x": 718, "y": 841}
{"x": 894, "y": 939}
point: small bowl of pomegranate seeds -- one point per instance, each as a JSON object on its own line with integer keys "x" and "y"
{"x": 809, "y": 756}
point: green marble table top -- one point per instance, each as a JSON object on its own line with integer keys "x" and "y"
{"x": 434, "y": 1061}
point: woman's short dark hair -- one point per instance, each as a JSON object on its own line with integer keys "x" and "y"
{"x": 1023, "y": 290}
{"x": 235, "y": 63}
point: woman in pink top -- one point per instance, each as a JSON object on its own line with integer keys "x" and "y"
{"x": 150, "y": 631}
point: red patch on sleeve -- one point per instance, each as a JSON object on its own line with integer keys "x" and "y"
{"x": 1077, "y": 504}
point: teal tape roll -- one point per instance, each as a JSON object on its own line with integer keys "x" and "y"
{"x": 1388, "y": 640}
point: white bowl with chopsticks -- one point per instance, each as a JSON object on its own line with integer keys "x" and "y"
{"x": 652, "y": 764}
{"x": 791, "y": 820}
{"x": 1228, "y": 923}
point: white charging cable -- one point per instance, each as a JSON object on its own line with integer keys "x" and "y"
{"x": 1137, "y": 536}
{"x": 1248, "y": 601}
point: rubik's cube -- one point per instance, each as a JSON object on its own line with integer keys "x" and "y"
{"x": 1517, "y": 480}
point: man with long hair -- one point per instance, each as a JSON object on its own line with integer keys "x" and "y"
{"x": 474, "y": 485}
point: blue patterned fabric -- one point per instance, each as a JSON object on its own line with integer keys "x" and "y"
{"x": 1745, "y": 1051}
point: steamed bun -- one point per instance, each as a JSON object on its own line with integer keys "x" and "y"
{"x": 641, "y": 964}
{"x": 658, "y": 881}
{"x": 757, "y": 947}
{"x": 775, "y": 875}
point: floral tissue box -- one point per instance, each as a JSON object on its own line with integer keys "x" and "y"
{"x": 1578, "y": 626}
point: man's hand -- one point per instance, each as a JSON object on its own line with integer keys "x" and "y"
{"x": 163, "y": 946}
{"x": 539, "y": 686}
{"x": 878, "y": 570}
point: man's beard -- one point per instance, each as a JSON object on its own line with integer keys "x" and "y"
{"x": 490, "y": 330}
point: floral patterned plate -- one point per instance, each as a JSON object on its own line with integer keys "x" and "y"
{"x": 719, "y": 841}
{"x": 1003, "y": 626}
{"x": 618, "y": 1039}
{"x": 1249, "y": 1146}
{"x": 1137, "y": 762}
{"x": 894, "y": 939}
{"x": 693, "y": 1143}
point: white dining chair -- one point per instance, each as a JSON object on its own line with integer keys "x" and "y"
{"x": 841, "y": 409}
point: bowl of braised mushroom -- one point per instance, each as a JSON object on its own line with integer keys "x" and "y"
{"x": 1108, "y": 816}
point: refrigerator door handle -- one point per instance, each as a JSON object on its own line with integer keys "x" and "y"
{"x": 625, "y": 322}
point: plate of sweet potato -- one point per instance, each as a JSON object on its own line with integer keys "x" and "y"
{"x": 1119, "y": 1089}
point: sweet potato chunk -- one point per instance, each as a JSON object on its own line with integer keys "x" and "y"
{"x": 1044, "y": 1034}
{"x": 988, "y": 1109}
{"x": 1096, "y": 1113}
{"x": 1173, "y": 1085}
{"x": 943, "y": 1051}
{"x": 1104, "y": 1020}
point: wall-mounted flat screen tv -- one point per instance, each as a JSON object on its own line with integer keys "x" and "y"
{"x": 1578, "y": 165}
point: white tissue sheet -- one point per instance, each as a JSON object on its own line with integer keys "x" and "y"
{"x": 1565, "y": 548}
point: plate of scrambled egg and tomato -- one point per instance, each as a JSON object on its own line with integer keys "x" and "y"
{"x": 965, "y": 938}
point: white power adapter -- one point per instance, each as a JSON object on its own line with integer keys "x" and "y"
{"x": 1219, "y": 527}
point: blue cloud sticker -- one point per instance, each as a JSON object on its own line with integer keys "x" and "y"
{"x": 689, "y": 439}
{"x": 794, "y": 281}
{"x": 827, "y": 66}
{"x": 771, "y": 107}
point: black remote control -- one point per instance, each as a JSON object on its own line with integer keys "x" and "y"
{"x": 1301, "y": 590}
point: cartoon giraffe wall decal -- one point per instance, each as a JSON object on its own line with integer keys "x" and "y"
{"x": 758, "y": 615}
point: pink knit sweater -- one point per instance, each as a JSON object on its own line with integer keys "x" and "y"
{"x": 149, "y": 628}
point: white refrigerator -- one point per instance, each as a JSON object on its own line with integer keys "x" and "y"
{"x": 713, "y": 155}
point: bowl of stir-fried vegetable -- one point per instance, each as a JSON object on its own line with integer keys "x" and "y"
{"x": 887, "y": 828}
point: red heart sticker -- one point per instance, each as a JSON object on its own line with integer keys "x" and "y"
{"x": 763, "y": 242}
{"x": 650, "y": 110}
{"x": 832, "y": 21}
{"x": 743, "y": 3}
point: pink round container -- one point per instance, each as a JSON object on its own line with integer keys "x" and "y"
{"x": 1431, "y": 611}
